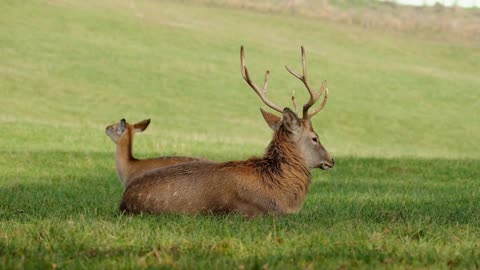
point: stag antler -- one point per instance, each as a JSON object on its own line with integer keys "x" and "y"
{"x": 313, "y": 96}
{"x": 261, "y": 93}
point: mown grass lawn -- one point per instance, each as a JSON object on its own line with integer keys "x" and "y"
{"x": 402, "y": 123}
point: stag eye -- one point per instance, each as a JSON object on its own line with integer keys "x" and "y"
{"x": 315, "y": 139}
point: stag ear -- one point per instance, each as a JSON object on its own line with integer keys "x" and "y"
{"x": 142, "y": 125}
{"x": 271, "y": 119}
{"x": 290, "y": 120}
{"x": 122, "y": 125}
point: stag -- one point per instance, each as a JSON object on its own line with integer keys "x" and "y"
{"x": 275, "y": 183}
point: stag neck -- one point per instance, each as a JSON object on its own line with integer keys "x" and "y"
{"x": 284, "y": 152}
{"x": 284, "y": 169}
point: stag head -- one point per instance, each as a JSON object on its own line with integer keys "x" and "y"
{"x": 300, "y": 129}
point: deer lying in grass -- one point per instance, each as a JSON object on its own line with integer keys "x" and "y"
{"x": 276, "y": 183}
{"x": 128, "y": 167}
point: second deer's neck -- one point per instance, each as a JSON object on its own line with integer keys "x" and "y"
{"x": 124, "y": 158}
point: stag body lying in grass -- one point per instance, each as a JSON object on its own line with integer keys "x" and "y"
{"x": 276, "y": 183}
{"x": 128, "y": 167}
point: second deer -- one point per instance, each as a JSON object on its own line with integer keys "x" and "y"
{"x": 275, "y": 183}
{"x": 128, "y": 167}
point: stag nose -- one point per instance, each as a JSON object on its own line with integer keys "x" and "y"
{"x": 333, "y": 162}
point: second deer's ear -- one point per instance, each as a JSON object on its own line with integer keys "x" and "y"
{"x": 290, "y": 120}
{"x": 271, "y": 119}
{"x": 122, "y": 125}
{"x": 142, "y": 125}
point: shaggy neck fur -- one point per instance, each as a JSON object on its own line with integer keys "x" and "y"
{"x": 282, "y": 165}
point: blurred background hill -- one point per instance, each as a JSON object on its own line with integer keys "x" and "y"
{"x": 438, "y": 19}
{"x": 396, "y": 90}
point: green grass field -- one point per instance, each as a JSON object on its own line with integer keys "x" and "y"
{"x": 402, "y": 121}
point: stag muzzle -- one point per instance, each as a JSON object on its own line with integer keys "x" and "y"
{"x": 326, "y": 165}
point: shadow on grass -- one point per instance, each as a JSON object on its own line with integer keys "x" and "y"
{"x": 63, "y": 185}
{"x": 61, "y": 209}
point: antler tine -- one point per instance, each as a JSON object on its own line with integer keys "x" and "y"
{"x": 325, "y": 98}
{"x": 261, "y": 93}
{"x": 294, "y": 101}
{"x": 314, "y": 96}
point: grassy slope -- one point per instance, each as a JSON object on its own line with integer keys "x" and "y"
{"x": 402, "y": 121}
